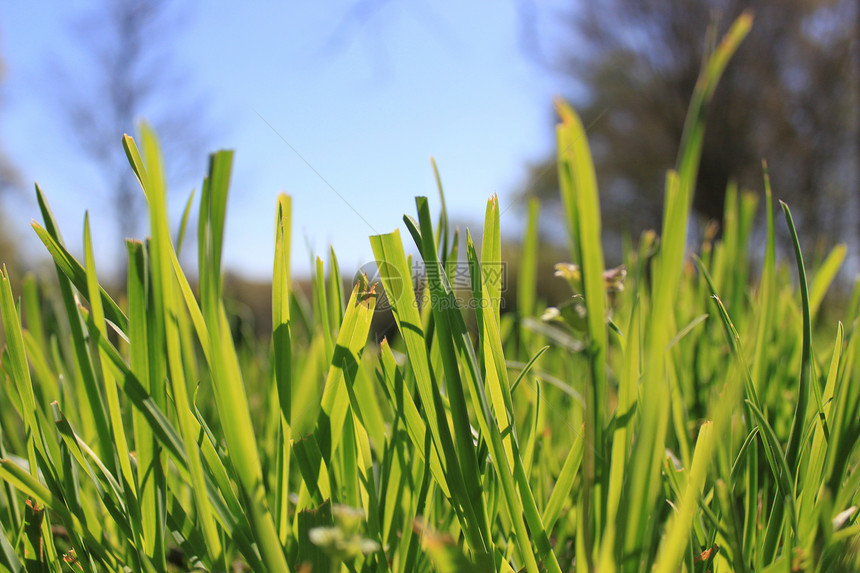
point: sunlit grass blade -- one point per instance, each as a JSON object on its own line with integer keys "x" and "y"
{"x": 20, "y": 371}
{"x": 137, "y": 394}
{"x": 370, "y": 502}
{"x": 371, "y": 409}
{"x": 487, "y": 290}
{"x": 448, "y": 324}
{"x": 17, "y": 367}
{"x": 193, "y": 309}
{"x": 317, "y": 481}
{"x": 732, "y": 336}
{"x": 170, "y": 439}
{"x": 78, "y": 275}
{"x": 645, "y": 463}
{"x": 442, "y": 231}
{"x": 564, "y": 484}
{"x": 231, "y": 397}
{"x": 845, "y": 422}
{"x": 32, "y": 313}
{"x": 527, "y": 279}
{"x": 183, "y": 223}
{"x": 678, "y": 528}
{"x": 812, "y": 482}
{"x": 638, "y": 495}
{"x": 781, "y": 471}
{"x": 335, "y": 299}
{"x": 623, "y": 435}
{"x": 578, "y": 183}
{"x": 120, "y": 443}
{"x": 501, "y": 427}
{"x": 784, "y": 492}
{"x": 107, "y": 485}
{"x": 525, "y": 368}
{"x": 396, "y": 276}
{"x": 321, "y": 306}
{"x": 165, "y": 323}
{"x": 351, "y": 340}
{"x": 187, "y": 536}
{"x": 402, "y": 402}
{"x": 8, "y": 556}
{"x": 282, "y": 350}
{"x": 824, "y": 276}
{"x": 767, "y": 287}
{"x": 150, "y": 469}
{"x": 306, "y": 397}
{"x": 30, "y": 486}
{"x": 91, "y": 412}
{"x": 792, "y": 453}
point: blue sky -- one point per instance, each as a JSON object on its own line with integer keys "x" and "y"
{"x": 366, "y": 108}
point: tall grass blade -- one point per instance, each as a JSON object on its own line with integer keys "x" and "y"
{"x": 120, "y": 444}
{"x": 164, "y": 321}
{"x": 579, "y": 195}
{"x": 150, "y": 471}
{"x": 645, "y": 462}
{"x": 229, "y": 386}
{"x": 282, "y": 350}
{"x": 396, "y": 275}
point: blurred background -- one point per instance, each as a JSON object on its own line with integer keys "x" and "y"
{"x": 341, "y": 105}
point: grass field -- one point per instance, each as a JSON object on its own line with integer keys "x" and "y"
{"x": 670, "y": 416}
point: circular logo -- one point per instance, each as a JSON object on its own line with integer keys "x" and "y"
{"x": 386, "y": 280}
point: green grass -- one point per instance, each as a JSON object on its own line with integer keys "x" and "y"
{"x": 679, "y": 419}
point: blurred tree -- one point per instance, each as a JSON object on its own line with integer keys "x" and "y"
{"x": 9, "y": 180}
{"x": 9, "y": 177}
{"x": 130, "y": 73}
{"x": 790, "y": 95}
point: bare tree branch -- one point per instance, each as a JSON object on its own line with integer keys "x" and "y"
{"x": 132, "y": 75}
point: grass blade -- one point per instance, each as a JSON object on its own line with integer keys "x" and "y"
{"x": 164, "y": 321}
{"x": 282, "y": 349}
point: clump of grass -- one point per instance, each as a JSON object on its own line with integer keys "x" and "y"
{"x": 677, "y": 418}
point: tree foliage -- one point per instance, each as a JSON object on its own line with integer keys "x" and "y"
{"x": 789, "y": 96}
